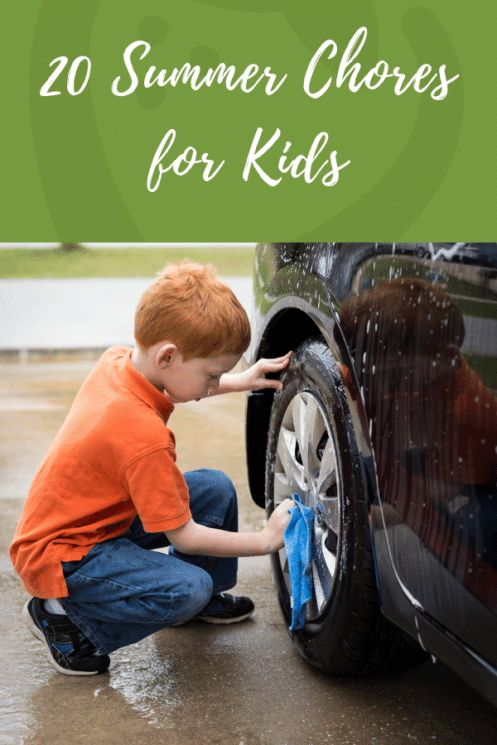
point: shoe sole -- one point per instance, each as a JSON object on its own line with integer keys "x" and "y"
{"x": 223, "y": 621}
{"x": 38, "y": 633}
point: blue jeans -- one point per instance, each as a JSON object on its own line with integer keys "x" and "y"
{"x": 122, "y": 591}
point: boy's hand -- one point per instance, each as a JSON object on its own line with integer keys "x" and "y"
{"x": 276, "y": 525}
{"x": 194, "y": 538}
{"x": 254, "y": 378}
{"x": 257, "y": 373}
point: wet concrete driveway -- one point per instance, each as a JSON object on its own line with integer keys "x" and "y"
{"x": 196, "y": 684}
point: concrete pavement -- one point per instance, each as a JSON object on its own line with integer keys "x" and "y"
{"x": 196, "y": 684}
{"x": 77, "y": 314}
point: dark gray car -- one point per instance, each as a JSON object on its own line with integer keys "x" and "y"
{"x": 387, "y": 428}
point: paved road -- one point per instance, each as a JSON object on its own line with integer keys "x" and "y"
{"x": 77, "y": 313}
{"x": 196, "y": 684}
{"x": 98, "y": 313}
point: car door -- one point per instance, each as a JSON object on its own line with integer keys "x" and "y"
{"x": 420, "y": 321}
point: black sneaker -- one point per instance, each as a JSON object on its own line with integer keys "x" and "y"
{"x": 225, "y": 608}
{"x": 68, "y": 649}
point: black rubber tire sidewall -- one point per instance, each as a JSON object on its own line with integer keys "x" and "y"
{"x": 340, "y": 641}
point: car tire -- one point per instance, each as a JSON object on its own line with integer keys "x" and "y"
{"x": 312, "y": 450}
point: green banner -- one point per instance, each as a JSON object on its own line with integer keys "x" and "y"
{"x": 194, "y": 120}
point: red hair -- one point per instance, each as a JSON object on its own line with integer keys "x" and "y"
{"x": 190, "y": 307}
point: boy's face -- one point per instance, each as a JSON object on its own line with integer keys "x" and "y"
{"x": 196, "y": 378}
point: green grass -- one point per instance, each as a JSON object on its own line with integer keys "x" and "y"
{"x": 126, "y": 262}
{"x": 485, "y": 368}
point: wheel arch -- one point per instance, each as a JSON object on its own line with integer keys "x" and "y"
{"x": 286, "y": 330}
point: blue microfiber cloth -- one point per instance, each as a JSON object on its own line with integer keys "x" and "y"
{"x": 299, "y": 536}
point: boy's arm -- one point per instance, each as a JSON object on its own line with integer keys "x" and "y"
{"x": 254, "y": 378}
{"x": 193, "y": 538}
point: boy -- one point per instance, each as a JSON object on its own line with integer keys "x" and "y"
{"x": 108, "y": 490}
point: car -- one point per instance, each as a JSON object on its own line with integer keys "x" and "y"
{"x": 386, "y": 427}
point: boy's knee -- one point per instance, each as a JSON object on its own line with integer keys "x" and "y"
{"x": 224, "y": 502}
{"x": 213, "y": 499}
{"x": 222, "y": 483}
{"x": 202, "y": 592}
{"x": 198, "y": 592}
{"x": 211, "y": 477}
{"x": 210, "y": 484}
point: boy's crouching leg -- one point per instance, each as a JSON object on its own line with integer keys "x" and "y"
{"x": 120, "y": 593}
{"x": 213, "y": 503}
{"x": 213, "y": 500}
{"x": 196, "y": 596}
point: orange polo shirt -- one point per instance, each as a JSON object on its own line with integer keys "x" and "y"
{"x": 113, "y": 459}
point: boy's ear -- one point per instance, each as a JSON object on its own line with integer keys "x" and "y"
{"x": 165, "y": 355}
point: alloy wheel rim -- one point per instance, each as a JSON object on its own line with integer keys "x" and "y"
{"x": 306, "y": 462}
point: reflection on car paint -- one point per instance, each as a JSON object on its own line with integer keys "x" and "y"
{"x": 433, "y": 424}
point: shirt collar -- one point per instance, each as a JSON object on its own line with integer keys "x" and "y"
{"x": 137, "y": 384}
